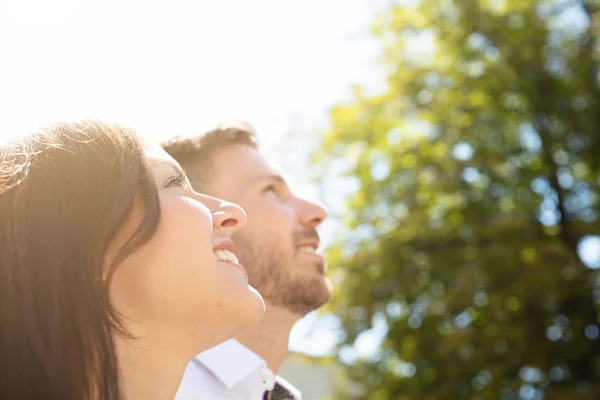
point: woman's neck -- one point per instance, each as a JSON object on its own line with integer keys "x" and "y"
{"x": 148, "y": 372}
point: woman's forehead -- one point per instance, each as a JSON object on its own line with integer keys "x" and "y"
{"x": 157, "y": 155}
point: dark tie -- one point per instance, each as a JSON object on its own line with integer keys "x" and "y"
{"x": 283, "y": 390}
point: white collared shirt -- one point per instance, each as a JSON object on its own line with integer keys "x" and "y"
{"x": 229, "y": 371}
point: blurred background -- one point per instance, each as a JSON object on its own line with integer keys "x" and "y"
{"x": 456, "y": 144}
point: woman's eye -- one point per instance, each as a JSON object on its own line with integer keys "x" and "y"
{"x": 176, "y": 181}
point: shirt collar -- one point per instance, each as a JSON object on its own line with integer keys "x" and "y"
{"x": 230, "y": 362}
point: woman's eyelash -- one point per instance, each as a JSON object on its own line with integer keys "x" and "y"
{"x": 178, "y": 180}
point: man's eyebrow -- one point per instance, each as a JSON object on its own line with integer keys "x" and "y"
{"x": 271, "y": 177}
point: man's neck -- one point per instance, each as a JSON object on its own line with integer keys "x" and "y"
{"x": 270, "y": 338}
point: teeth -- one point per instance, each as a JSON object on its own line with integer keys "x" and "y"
{"x": 226, "y": 256}
{"x": 231, "y": 257}
{"x": 308, "y": 249}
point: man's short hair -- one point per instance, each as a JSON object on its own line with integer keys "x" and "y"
{"x": 194, "y": 153}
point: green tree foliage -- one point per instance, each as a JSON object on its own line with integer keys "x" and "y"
{"x": 478, "y": 177}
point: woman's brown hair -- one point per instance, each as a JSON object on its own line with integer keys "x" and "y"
{"x": 65, "y": 192}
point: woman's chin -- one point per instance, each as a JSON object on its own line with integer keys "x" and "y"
{"x": 249, "y": 304}
{"x": 254, "y": 309}
{"x": 259, "y": 300}
{"x": 251, "y": 312}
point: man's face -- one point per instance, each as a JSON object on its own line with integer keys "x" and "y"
{"x": 278, "y": 244}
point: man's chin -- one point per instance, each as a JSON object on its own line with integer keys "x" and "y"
{"x": 318, "y": 295}
{"x": 322, "y": 268}
{"x": 328, "y": 287}
{"x": 303, "y": 295}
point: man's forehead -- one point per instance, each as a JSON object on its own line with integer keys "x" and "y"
{"x": 262, "y": 172}
{"x": 246, "y": 163}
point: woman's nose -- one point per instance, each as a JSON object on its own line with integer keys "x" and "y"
{"x": 227, "y": 217}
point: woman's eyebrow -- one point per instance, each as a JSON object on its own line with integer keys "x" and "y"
{"x": 176, "y": 167}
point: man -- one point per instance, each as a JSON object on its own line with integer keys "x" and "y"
{"x": 278, "y": 247}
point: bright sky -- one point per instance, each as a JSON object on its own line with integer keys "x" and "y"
{"x": 180, "y": 66}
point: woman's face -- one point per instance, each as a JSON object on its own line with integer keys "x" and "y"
{"x": 185, "y": 287}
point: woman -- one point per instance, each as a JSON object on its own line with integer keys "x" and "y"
{"x": 114, "y": 273}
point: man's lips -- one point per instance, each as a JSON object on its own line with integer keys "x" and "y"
{"x": 311, "y": 250}
{"x": 308, "y": 246}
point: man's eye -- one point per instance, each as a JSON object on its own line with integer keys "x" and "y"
{"x": 270, "y": 188}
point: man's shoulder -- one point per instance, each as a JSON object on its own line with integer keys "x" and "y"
{"x": 224, "y": 371}
{"x": 230, "y": 362}
{"x": 199, "y": 383}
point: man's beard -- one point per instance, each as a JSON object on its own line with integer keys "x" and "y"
{"x": 272, "y": 272}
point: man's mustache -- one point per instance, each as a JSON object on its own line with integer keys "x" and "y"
{"x": 309, "y": 235}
